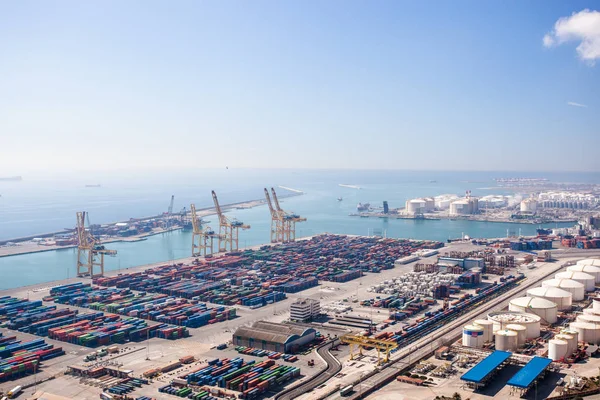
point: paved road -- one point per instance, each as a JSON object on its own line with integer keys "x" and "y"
{"x": 333, "y": 368}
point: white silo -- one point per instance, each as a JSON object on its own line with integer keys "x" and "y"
{"x": 576, "y": 289}
{"x": 503, "y": 318}
{"x": 588, "y": 332}
{"x": 588, "y": 281}
{"x": 488, "y": 329}
{"x": 588, "y": 269}
{"x": 506, "y": 340}
{"x": 557, "y": 349}
{"x": 545, "y": 309}
{"x": 560, "y": 297}
{"x": 571, "y": 342}
{"x": 521, "y": 333}
{"x": 529, "y": 206}
{"x": 472, "y": 336}
{"x": 460, "y": 207}
{"x": 575, "y": 335}
{"x": 590, "y": 261}
{"x": 415, "y": 206}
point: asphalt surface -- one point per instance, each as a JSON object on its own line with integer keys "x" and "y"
{"x": 332, "y": 369}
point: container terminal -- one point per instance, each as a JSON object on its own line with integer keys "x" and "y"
{"x": 323, "y": 317}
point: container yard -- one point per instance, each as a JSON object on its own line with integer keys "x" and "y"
{"x": 401, "y": 303}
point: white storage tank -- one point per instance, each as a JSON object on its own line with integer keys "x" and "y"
{"x": 576, "y": 289}
{"x": 506, "y": 340}
{"x": 472, "y": 336}
{"x": 574, "y": 334}
{"x": 557, "y": 349}
{"x": 592, "y": 318}
{"x": 589, "y": 281}
{"x": 560, "y": 297}
{"x": 587, "y": 332}
{"x": 588, "y": 269}
{"x": 596, "y": 305}
{"x": 488, "y": 329}
{"x": 590, "y": 261}
{"x": 503, "y": 318}
{"x": 571, "y": 343}
{"x": 545, "y": 309}
{"x": 521, "y": 333}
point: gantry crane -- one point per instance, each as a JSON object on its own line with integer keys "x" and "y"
{"x": 90, "y": 251}
{"x": 365, "y": 342}
{"x": 277, "y": 221}
{"x": 202, "y": 238}
{"x": 228, "y": 229}
{"x": 288, "y": 220}
{"x": 167, "y": 215}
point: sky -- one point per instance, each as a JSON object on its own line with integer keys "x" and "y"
{"x": 421, "y": 85}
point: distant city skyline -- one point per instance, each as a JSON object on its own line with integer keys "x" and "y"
{"x": 483, "y": 86}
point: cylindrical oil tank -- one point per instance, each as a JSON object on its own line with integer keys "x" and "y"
{"x": 543, "y": 308}
{"x": 506, "y": 340}
{"x": 557, "y": 349}
{"x": 503, "y": 318}
{"x": 592, "y": 318}
{"x": 560, "y": 297}
{"x": 588, "y": 332}
{"x": 575, "y": 288}
{"x": 596, "y": 305}
{"x": 588, "y": 281}
{"x": 590, "y": 261}
{"x": 472, "y": 336}
{"x": 574, "y": 334}
{"x": 521, "y": 333}
{"x": 571, "y": 343}
{"x": 488, "y": 329}
{"x": 588, "y": 269}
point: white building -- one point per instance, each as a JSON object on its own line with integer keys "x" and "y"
{"x": 305, "y": 309}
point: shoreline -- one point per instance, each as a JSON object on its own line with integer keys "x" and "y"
{"x": 461, "y": 218}
{"x": 27, "y": 247}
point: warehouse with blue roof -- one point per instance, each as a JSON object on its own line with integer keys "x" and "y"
{"x": 478, "y": 376}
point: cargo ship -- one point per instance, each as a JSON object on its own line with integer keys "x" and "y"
{"x": 93, "y": 186}
{"x": 363, "y": 207}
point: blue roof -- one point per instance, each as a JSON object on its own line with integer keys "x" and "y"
{"x": 479, "y": 372}
{"x": 529, "y": 373}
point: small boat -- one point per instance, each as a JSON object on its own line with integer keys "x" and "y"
{"x": 93, "y": 186}
{"x": 432, "y": 181}
{"x": 340, "y": 199}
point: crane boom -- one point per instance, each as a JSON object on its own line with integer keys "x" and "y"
{"x": 228, "y": 230}
{"x": 277, "y": 231}
{"x": 90, "y": 251}
{"x": 288, "y": 221}
{"x": 202, "y": 239}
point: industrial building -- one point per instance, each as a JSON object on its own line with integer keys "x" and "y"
{"x": 481, "y": 374}
{"x": 467, "y": 206}
{"x": 305, "y": 310}
{"x": 273, "y": 336}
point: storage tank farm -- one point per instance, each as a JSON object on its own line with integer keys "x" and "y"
{"x": 587, "y": 280}
{"x": 590, "y": 261}
{"x": 576, "y": 289}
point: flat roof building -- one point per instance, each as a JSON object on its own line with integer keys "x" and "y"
{"x": 272, "y": 336}
{"x": 305, "y": 309}
{"x": 479, "y": 375}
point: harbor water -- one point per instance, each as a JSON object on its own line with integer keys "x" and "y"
{"x": 41, "y": 205}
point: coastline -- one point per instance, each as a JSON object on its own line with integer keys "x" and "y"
{"x": 26, "y": 246}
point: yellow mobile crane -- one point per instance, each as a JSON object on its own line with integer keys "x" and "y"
{"x": 228, "y": 230}
{"x": 288, "y": 220}
{"x": 276, "y": 221}
{"x": 202, "y": 238}
{"x": 89, "y": 249}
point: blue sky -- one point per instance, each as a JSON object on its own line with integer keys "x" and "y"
{"x": 280, "y": 84}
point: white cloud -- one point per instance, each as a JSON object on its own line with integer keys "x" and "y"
{"x": 572, "y": 103}
{"x": 583, "y": 27}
